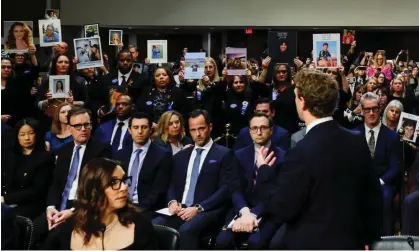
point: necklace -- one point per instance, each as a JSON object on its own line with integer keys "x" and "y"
{"x": 112, "y": 224}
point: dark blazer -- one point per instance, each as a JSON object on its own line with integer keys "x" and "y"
{"x": 280, "y": 138}
{"x": 387, "y": 155}
{"x": 154, "y": 175}
{"x": 105, "y": 130}
{"x": 94, "y": 149}
{"x": 136, "y": 82}
{"x": 25, "y": 180}
{"x": 185, "y": 141}
{"x": 244, "y": 191}
{"x": 328, "y": 198}
{"x": 145, "y": 102}
{"x": 212, "y": 188}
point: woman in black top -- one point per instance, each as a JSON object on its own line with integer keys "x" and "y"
{"x": 27, "y": 170}
{"x": 104, "y": 218}
{"x": 162, "y": 96}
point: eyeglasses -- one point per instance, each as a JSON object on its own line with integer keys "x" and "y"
{"x": 115, "y": 184}
{"x": 6, "y": 67}
{"x": 374, "y": 109}
{"x": 79, "y": 126}
{"x": 255, "y": 129}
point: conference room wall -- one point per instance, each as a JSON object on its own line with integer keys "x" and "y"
{"x": 241, "y": 12}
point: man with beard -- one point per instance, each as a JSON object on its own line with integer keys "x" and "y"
{"x": 123, "y": 80}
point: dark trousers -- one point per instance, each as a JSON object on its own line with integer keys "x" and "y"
{"x": 411, "y": 214}
{"x": 41, "y": 232}
{"x": 192, "y": 231}
{"x": 388, "y": 193}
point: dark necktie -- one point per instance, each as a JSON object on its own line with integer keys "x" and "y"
{"x": 134, "y": 172}
{"x": 124, "y": 80}
{"x": 117, "y": 138}
{"x": 194, "y": 178}
{"x": 70, "y": 178}
{"x": 255, "y": 173}
{"x": 371, "y": 143}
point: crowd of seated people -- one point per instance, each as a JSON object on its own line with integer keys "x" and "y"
{"x": 125, "y": 144}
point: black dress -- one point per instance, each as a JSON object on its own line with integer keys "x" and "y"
{"x": 145, "y": 237}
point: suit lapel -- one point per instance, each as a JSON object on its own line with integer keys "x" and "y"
{"x": 378, "y": 144}
{"x": 185, "y": 164}
{"x": 126, "y": 157}
{"x": 212, "y": 153}
{"x": 148, "y": 163}
{"x": 66, "y": 159}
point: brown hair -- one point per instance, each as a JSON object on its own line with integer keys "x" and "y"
{"x": 77, "y": 111}
{"x": 56, "y": 124}
{"x": 163, "y": 124}
{"x": 319, "y": 90}
{"x": 91, "y": 200}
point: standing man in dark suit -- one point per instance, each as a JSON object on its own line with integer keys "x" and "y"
{"x": 246, "y": 204}
{"x": 123, "y": 81}
{"x": 384, "y": 147}
{"x": 199, "y": 187}
{"x": 326, "y": 190}
{"x": 71, "y": 158}
{"x": 280, "y": 136}
{"x": 115, "y": 132}
{"x": 147, "y": 163}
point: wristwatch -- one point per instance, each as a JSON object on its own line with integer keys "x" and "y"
{"x": 199, "y": 208}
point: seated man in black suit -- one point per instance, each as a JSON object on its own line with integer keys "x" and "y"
{"x": 147, "y": 163}
{"x": 71, "y": 158}
{"x": 280, "y": 136}
{"x": 199, "y": 187}
{"x": 326, "y": 190}
{"x": 384, "y": 147}
{"x": 246, "y": 204}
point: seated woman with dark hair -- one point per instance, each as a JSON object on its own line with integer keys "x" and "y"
{"x": 170, "y": 132}
{"x": 104, "y": 218}
{"x": 26, "y": 170}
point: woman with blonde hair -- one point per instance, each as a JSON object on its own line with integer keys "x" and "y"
{"x": 170, "y": 132}
{"x": 379, "y": 65}
{"x": 60, "y": 133}
{"x": 391, "y": 114}
{"x": 19, "y": 37}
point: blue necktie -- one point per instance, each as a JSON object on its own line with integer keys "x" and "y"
{"x": 134, "y": 171}
{"x": 194, "y": 177}
{"x": 117, "y": 138}
{"x": 70, "y": 178}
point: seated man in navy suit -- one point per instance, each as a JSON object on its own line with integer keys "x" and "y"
{"x": 411, "y": 207}
{"x": 246, "y": 204}
{"x": 147, "y": 163}
{"x": 280, "y": 136}
{"x": 115, "y": 132}
{"x": 199, "y": 187}
{"x": 384, "y": 148}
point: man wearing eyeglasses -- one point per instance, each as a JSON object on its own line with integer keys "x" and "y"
{"x": 248, "y": 209}
{"x": 280, "y": 136}
{"x": 385, "y": 152}
{"x": 70, "y": 159}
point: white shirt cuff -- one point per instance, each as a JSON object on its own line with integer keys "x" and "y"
{"x": 168, "y": 204}
{"x": 49, "y": 207}
{"x": 382, "y": 182}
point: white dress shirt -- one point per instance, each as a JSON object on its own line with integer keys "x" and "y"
{"x": 73, "y": 191}
{"x": 123, "y": 131}
{"x": 204, "y": 154}
{"x": 126, "y": 77}
{"x": 376, "y": 132}
{"x": 317, "y": 122}
{"x": 142, "y": 157}
{"x": 175, "y": 148}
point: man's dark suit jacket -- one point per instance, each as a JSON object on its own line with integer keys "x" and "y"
{"x": 386, "y": 161}
{"x": 212, "y": 188}
{"x": 154, "y": 176}
{"x": 105, "y": 130}
{"x": 94, "y": 149}
{"x": 244, "y": 191}
{"x": 326, "y": 191}
{"x": 280, "y": 138}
